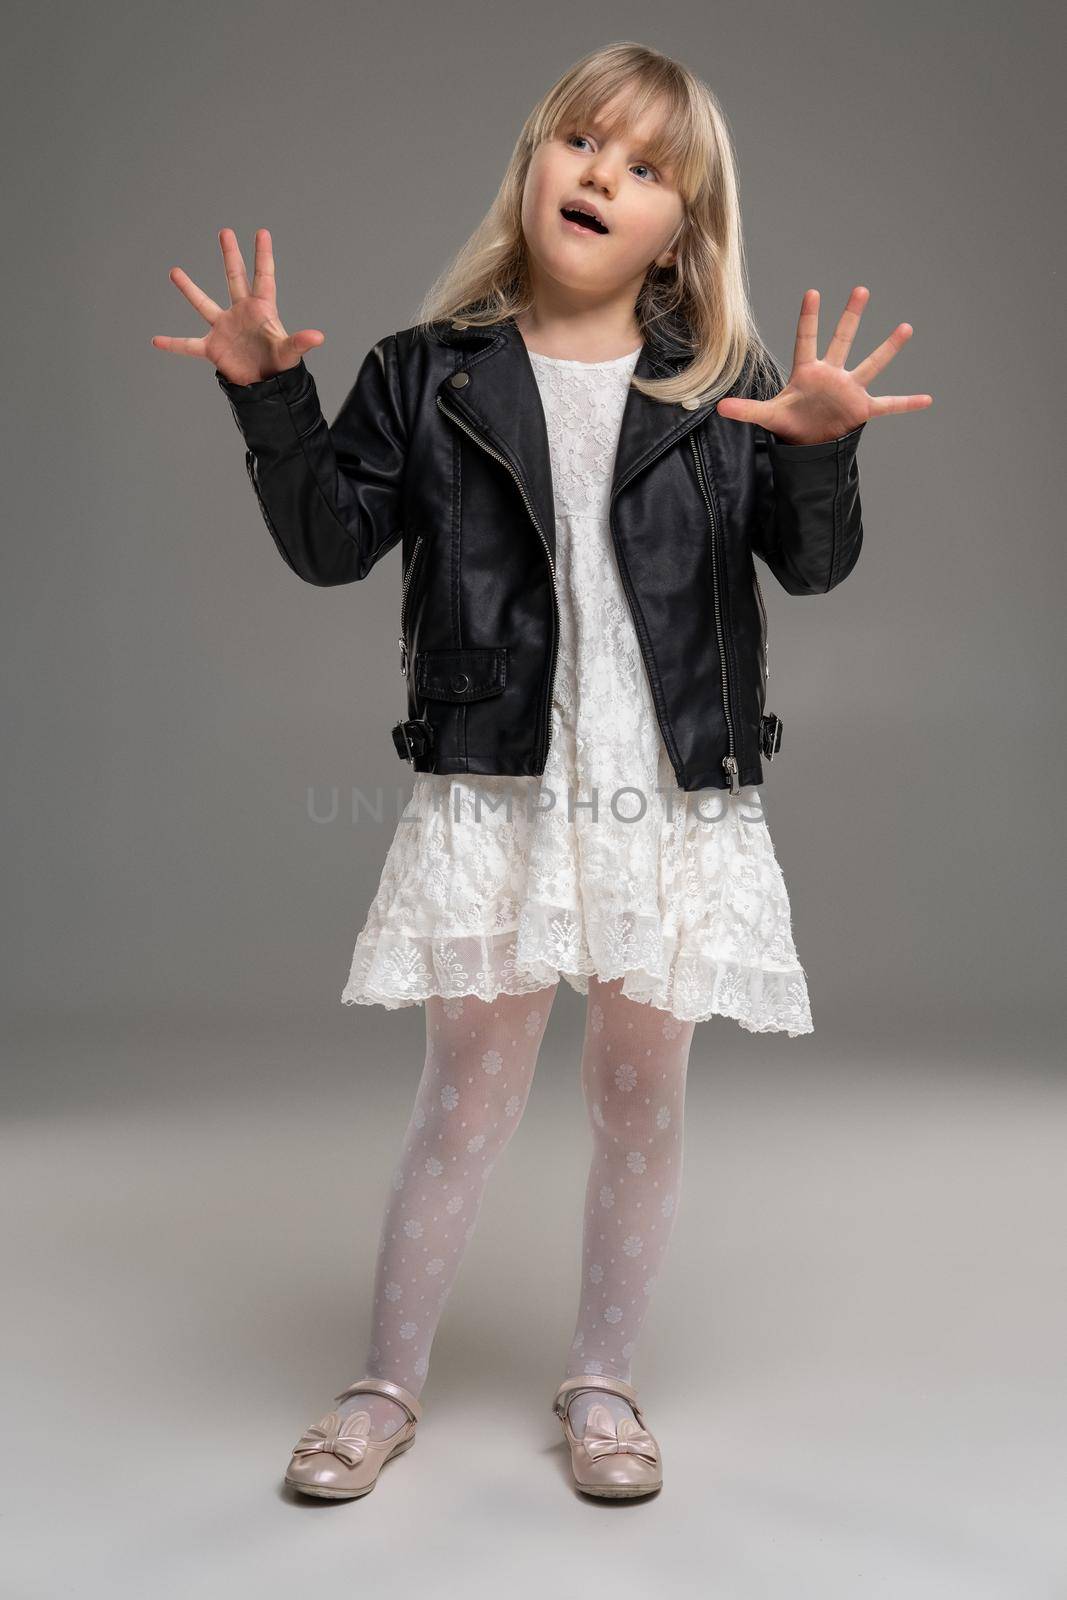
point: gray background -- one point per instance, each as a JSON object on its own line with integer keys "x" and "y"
{"x": 853, "y": 1362}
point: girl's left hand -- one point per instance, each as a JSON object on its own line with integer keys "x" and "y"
{"x": 822, "y": 401}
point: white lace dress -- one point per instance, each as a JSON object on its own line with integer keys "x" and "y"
{"x": 505, "y": 884}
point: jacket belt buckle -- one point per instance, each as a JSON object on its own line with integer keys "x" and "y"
{"x": 412, "y": 738}
{"x": 770, "y": 735}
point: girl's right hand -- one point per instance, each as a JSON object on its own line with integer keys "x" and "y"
{"x": 247, "y": 341}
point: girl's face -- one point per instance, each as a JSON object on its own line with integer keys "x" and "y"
{"x": 636, "y": 202}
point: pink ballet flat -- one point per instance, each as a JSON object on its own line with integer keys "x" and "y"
{"x": 336, "y": 1460}
{"x": 615, "y": 1460}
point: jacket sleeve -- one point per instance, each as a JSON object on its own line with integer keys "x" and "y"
{"x": 808, "y": 522}
{"x": 330, "y": 496}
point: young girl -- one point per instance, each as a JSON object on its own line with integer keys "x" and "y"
{"x": 583, "y": 641}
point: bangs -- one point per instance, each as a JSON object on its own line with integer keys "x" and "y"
{"x": 674, "y": 145}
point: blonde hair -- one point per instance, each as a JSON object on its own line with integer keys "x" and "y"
{"x": 700, "y": 304}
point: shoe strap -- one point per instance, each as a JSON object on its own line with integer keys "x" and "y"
{"x": 386, "y": 1386}
{"x": 595, "y": 1380}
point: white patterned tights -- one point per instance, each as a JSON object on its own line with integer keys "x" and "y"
{"x": 480, "y": 1061}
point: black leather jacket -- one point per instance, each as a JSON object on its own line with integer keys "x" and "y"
{"x": 441, "y": 447}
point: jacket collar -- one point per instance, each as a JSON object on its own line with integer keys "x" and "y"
{"x": 502, "y": 404}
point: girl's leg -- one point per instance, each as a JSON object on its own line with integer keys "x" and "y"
{"x": 480, "y": 1060}
{"x": 634, "y": 1064}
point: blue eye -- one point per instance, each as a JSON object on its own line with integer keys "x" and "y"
{"x": 571, "y": 137}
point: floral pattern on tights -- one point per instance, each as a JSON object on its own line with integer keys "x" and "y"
{"x": 603, "y": 866}
{"x": 476, "y": 1079}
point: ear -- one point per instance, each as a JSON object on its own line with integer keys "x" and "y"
{"x": 668, "y": 257}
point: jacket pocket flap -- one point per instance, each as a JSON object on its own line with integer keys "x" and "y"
{"x": 461, "y": 674}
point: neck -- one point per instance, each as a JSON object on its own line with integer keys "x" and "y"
{"x": 601, "y": 332}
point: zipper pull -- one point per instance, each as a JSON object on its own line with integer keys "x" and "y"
{"x": 730, "y": 763}
{"x": 403, "y": 656}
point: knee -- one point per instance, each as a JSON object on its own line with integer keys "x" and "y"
{"x": 608, "y": 1093}
{"x": 469, "y": 1120}
{"x": 627, "y": 1105}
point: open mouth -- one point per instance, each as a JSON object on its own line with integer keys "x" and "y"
{"x": 584, "y": 219}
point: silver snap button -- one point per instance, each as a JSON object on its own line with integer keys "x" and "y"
{"x": 460, "y": 681}
{"x": 459, "y": 379}
{"x": 459, "y": 326}
{"x": 691, "y": 404}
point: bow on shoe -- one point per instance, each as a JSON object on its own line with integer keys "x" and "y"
{"x": 604, "y": 1437}
{"x": 346, "y": 1440}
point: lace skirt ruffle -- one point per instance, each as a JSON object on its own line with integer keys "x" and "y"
{"x": 692, "y": 914}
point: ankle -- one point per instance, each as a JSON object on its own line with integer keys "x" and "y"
{"x": 386, "y": 1415}
{"x": 582, "y": 1402}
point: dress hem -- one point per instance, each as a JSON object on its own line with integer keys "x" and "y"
{"x": 578, "y": 981}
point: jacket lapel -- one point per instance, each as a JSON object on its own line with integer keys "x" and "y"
{"x": 501, "y": 403}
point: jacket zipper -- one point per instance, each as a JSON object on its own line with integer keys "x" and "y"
{"x": 645, "y": 462}
{"x": 624, "y": 573}
{"x": 402, "y": 641}
{"x": 551, "y": 565}
{"x": 729, "y": 760}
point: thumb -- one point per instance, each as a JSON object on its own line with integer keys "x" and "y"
{"x": 306, "y": 339}
{"x": 738, "y": 410}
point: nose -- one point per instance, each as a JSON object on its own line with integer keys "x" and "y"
{"x": 601, "y": 174}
